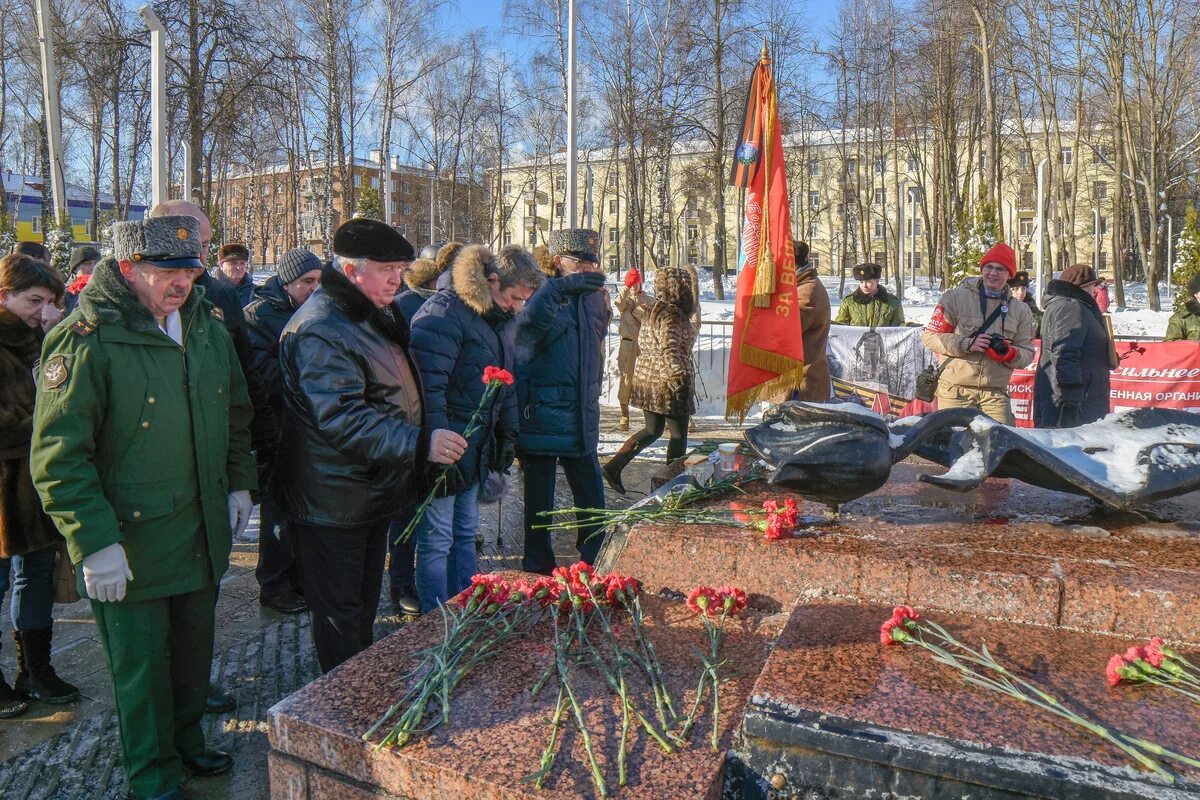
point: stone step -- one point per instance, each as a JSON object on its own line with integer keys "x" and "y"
{"x": 498, "y": 729}
{"x": 1008, "y": 551}
{"x": 835, "y": 714}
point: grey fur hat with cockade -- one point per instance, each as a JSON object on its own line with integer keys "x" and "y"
{"x": 171, "y": 242}
{"x": 581, "y": 243}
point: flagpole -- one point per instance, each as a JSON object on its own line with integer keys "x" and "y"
{"x": 572, "y": 155}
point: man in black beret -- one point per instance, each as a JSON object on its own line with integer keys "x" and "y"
{"x": 870, "y": 305}
{"x": 354, "y": 436}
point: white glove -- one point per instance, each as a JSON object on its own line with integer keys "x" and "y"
{"x": 240, "y": 506}
{"x": 105, "y": 573}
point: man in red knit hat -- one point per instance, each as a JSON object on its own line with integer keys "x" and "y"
{"x": 633, "y": 303}
{"x": 982, "y": 335}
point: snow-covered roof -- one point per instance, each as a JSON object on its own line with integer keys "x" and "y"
{"x": 29, "y": 187}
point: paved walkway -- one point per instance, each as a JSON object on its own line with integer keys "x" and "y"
{"x": 73, "y": 752}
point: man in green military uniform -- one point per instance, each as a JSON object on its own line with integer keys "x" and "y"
{"x": 870, "y": 305}
{"x": 142, "y": 457}
{"x": 1184, "y": 324}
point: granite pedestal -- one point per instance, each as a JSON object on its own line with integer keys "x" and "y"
{"x": 498, "y": 729}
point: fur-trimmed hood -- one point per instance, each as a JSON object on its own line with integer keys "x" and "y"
{"x": 421, "y": 272}
{"x": 108, "y": 299}
{"x": 469, "y": 278}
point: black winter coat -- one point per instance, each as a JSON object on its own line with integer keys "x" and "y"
{"x": 457, "y": 333}
{"x": 560, "y": 366}
{"x": 266, "y": 316}
{"x": 244, "y": 291}
{"x": 410, "y": 300}
{"x": 352, "y": 425}
{"x": 1076, "y": 357}
{"x": 264, "y": 429}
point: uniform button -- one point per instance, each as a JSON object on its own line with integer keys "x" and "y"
{"x": 220, "y": 390}
{"x": 137, "y": 515}
{"x": 151, "y": 400}
{"x": 145, "y": 424}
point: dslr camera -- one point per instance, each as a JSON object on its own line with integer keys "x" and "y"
{"x": 998, "y": 345}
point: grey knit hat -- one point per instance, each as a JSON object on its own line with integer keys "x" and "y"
{"x": 295, "y": 263}
{"x": 172, "y": 242}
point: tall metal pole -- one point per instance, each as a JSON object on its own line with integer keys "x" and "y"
{"x": 903, "y": 195}
{"x": 187, "y": 172}
{"x": 158, "y": 105}
{"x": 387, "y": 184}
{"x": 1096, "y": 240}
{"x": 1170, "y": 250}
{"x": 912, "y": 215}
{"x": 572, "y": 155}
{"x": 50, "y": 98}
{"x": 1041, "y": 230}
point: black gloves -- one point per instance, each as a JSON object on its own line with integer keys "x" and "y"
{"x": 580, "y": 282}
{"x": 506, "y": 452}
{"x": 1070, "y": 415}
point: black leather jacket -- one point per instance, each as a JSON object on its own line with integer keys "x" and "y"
{"x": 349, "y": 449}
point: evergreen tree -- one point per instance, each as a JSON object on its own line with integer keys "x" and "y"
{"x": 60, "y": 241}
{"x": 1187, "y": 257}
{"x": 973, "y": 236}
{"x": 8, "y": 234}
{"x": 369, "y": 204}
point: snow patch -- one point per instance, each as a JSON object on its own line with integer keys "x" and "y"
{"x": 968, "y": 466}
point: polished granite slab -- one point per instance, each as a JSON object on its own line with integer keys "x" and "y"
{"x": 835, "y": 714}
{"x": 498, "y": 729}
{"x": 1007, "y": 550}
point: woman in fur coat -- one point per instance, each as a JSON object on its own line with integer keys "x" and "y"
{"x": 664, "y": 376}
{"x": 28, "y": 540}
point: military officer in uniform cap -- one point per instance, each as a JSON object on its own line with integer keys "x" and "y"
{"x": 354, "y": 435}
{"x": 870, "y": 305}
{"x": 559, "y": 369}
{"x": 142, "y": 458}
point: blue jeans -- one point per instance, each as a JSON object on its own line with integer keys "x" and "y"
{"x": 446, "y": 547}
{"x": 33, "y": 588}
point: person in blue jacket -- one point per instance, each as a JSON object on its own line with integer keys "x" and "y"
{"x": 455, "y": 335}
{"x": 560, "y": 365}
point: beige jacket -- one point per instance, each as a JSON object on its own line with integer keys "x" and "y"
{"x": 633, "y": 308}
{"x": 957, "y": 316}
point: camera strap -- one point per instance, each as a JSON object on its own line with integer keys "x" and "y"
{"x": 997, "y": 313}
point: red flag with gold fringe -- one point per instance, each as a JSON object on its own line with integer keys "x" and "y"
{"x": 767, "y": 358}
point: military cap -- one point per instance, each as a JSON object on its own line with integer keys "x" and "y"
{"x": 234, "y": 250}
{"x": 82, "y": 253}
{"x": 1020, "y": 279}
{"x": 172, "y": 242}
{"x": 581, "y": 243}
{"x": 867, "y": 272}
{"x": 371, "y": 239}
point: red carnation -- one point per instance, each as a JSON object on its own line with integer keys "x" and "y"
{"x": 497, "y": 374}
{"x": 788, "y": 513}
{"x": 902, "y": 613}
{"x": 732, "y": 599}
{"x": 1113, "y": 670}
{"x": 1153, "y": 652}
{"x": 770, "y": 506}
{"x": 621, "y": 588}
{"x": 776, "y": 529}
{"x": 76, "y": 286}
{"x": 890, "y": 631}
{"x": 703, "y": 600}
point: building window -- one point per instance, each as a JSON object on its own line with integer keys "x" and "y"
{"x": 815, "y": 260}
{"x": 914, "y": 261}
{"x": 612, "y": 180}
{"x": 612, "y": 206}
{"x": 406, "y": 187}
{"x": 880, "y": 165}
{"x": 373, "y": 181}
{"x": 914, "y": 226}
{"x": 693, "y": 259}
{"x": 814, "y": 167}
{"x": 1028, "y": 262}
{"x": 693, "y": 233}
{"x": 880, "y": 196}
{"x": 880, "y": 229}
{"x": 1103, "y": 225}
{"x": 357, "y": 181}
{"x": 508, "y": 187}
{"x": 612, "y": 263}
{"x": 814, "y": 200}
{"x": 408, "y": 209}
{"x": 423, "y": 229}
{"x": 851, "y": 167}
{"x": 1068, "y": 191}
{"x": 37, "y": 224}
{"x": 1102, "y": 153}
{"x": 531, "y": 209}
{"x": 912, "y": 164}
{"x": 814, "y": 229}
{"x": 983, "y": 162}
{"x": 1100, "y": 190}
{"x": 560, "y": 210}
{"x": 560, "y": 183}
{"x": 1027, "y": 196}
{"x": 879, "y": 257}
{"x": 1066, "y": 156}
{"x": 614, "y": 235}
{"x": 507, "y": 238}
{"x": 1026, "y": 226}
{"x": 1103, "y": 261}
{"x": 1025, "y": 159}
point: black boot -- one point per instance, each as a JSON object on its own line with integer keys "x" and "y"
{"x": 36, "y": 678}
{"x": 612, "y": 470}
{"x": 11, "y": 703}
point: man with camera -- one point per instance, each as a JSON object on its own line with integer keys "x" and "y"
{"x": 982, "y": 335}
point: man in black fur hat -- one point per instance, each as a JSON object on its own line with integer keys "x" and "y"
{"x": 354, "y": 435}
{"x": 870, "y": 305}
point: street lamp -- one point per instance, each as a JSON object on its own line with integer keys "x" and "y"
{"x": 53, "y": 120}
{"x": 158, "y": 105}
{"x": 1041, "y": 230}
{"x": 900, "y": 226}
{"x": 912, "y": 198}
{"x": 1096, "y": 240}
